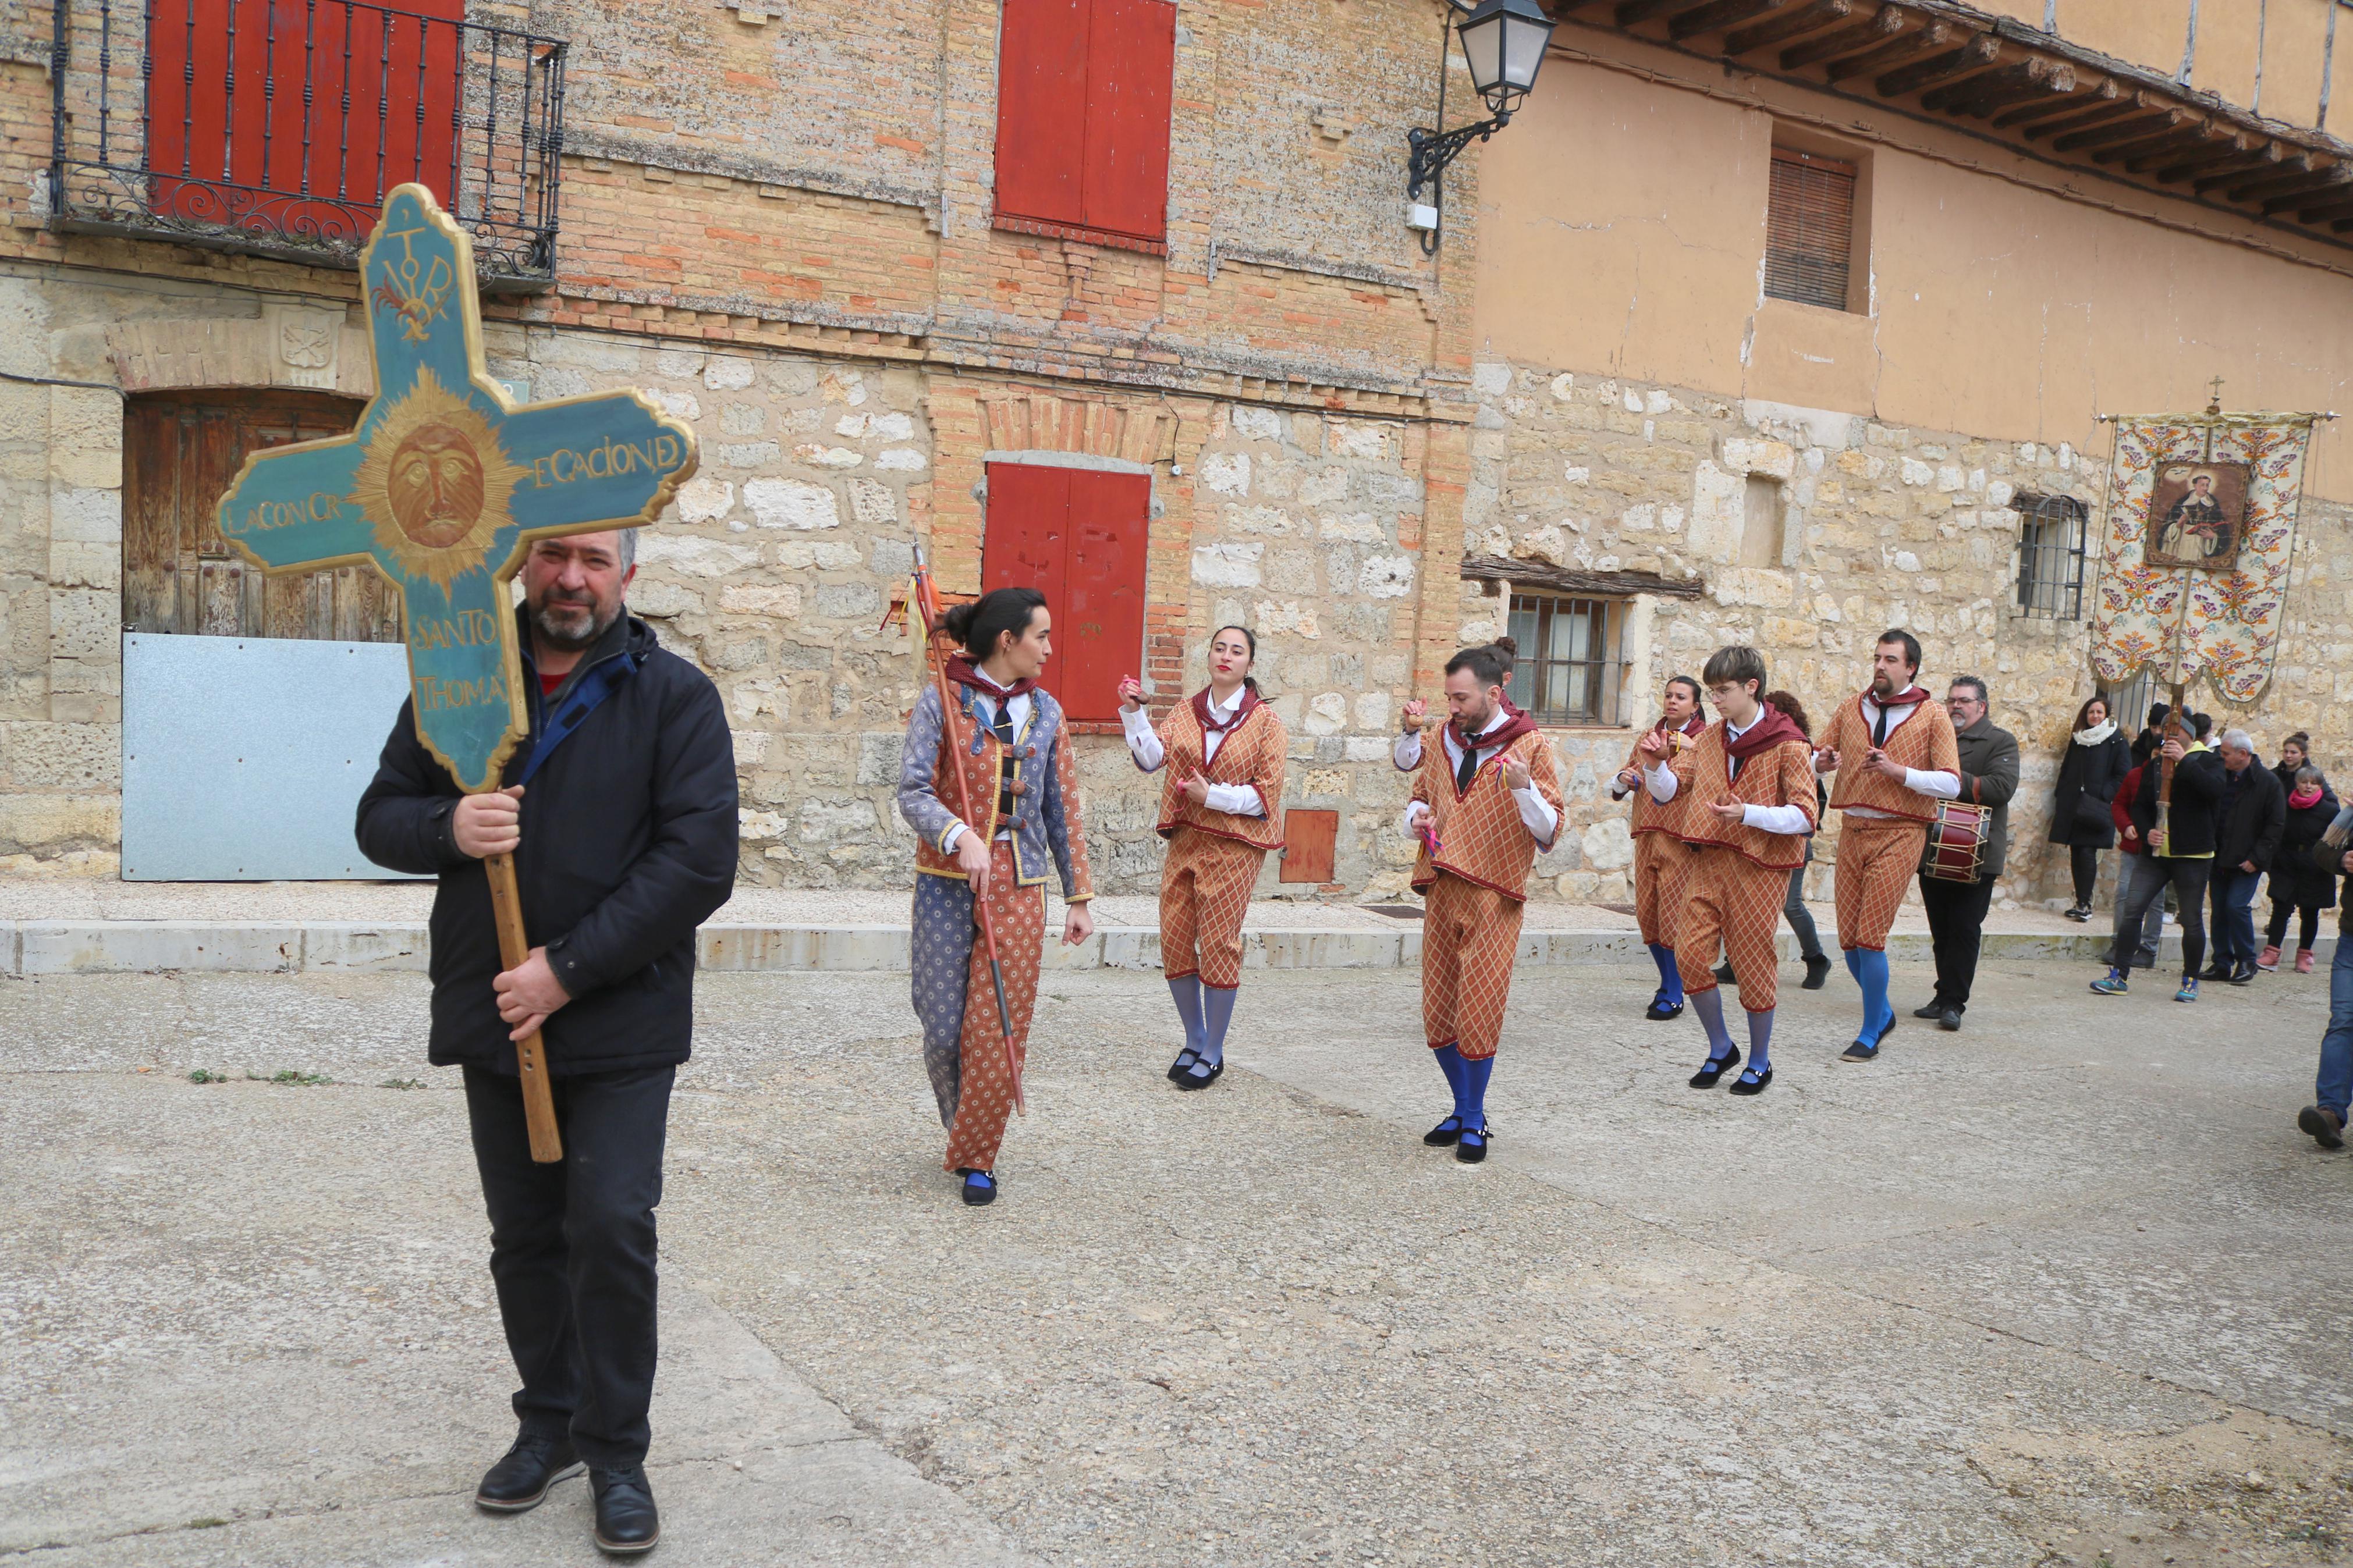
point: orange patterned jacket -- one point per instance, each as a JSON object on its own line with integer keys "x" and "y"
{"x": 1651, "y": 815}
{"x": 1924, "y": 741}
{"x": 1480, "y": 837}
{"x": 1252, "y": 756}
{"x": 1781, "y": 776}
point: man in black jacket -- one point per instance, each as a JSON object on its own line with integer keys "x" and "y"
{"x": 2179, "y": 857}
{"x": 626, "y": 844}
{"x": 2248, "y": 819}
{"x": 1957, "y": 911}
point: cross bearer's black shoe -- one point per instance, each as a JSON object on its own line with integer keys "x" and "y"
{"x": 626, "y": 1520}
{"x": 519, "y": 1482}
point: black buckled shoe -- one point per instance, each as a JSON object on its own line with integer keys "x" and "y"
{"x": 1183, "y": 1064}
{"x": 1472, "y": 1147}
{"x": 626, "y": 1520}
{"x": 1661, "y": 1009}
{"x": 1444, "y": 1134}
{"x": 980, "y": 1187}
{"x": 1200, "y": 1075}
{"x": 1714, "y": 1069}
{"x": 1753, "y": 1082}
{"x": 519, "y": 1482}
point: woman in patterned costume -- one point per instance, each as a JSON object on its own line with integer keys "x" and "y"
{"x": 1219, "y": 810}
{"x": 1486, "y": 802}
{"x": 1017, "y": 775}
{"x": 1661, "y": 857}
{"x": 1747, "y": 790}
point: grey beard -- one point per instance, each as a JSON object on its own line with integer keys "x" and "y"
{"x": 562, "y": 641}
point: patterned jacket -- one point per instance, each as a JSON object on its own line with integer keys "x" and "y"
{"x": 1251, "y": 755}
{"x": 1782, "y": 775}
{"x": 1047, "y": 819}
{"x": 1923, "y": 743}
{"x": 1480, "y": 837}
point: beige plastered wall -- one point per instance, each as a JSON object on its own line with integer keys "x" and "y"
{"x": 1622, "y": 231}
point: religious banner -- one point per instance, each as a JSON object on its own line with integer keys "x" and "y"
{"x": 443, "y": 487}
{"x": 445, "y": 484}
{"x": 2201, "y": 521}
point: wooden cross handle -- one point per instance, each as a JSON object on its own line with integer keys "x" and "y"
{"x": 538, "y": 1099}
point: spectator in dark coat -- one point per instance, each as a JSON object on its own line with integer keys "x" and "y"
{"x": 2131, "y": 866}
{"x": 2152, "y": 736}
{"x": 2096, "y": 760}
{"x": 624, "y": 841}
{"x": 2180, "y": 858}
{"x": 2298, "y": 885}
{"x": 2248, "y": 819}
{"x": 1957, "y": 911}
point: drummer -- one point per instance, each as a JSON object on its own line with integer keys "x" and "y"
{"x": 1957, "y": 906}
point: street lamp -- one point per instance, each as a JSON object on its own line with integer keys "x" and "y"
{"x": 1503, "y": 44}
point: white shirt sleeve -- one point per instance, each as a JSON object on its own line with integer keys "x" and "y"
{"x": 1143, "y": 741}
{"x": 1662, "y": 782}
{"x": 1415, "y": 810}
{"x": 1941, "y": 785}
{"x": 1235, "y": 800}
{"x": 1407, "y": 752}
{"x": 1775, "y": 818}
{"x": 1538, "y": 813}
{"x": 948, "y": 839}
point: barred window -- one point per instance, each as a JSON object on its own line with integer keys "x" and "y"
{"x": 1567, "y": 672}
{"x": 1810, "y": 229}
{"x": 2128, "y": 703}
{"x": 2051, "y": 556}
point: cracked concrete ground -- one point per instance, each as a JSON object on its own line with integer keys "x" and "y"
{"x": 2064, "y": 1288}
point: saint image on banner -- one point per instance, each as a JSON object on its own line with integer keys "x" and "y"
{"x": 2198, "y": 515}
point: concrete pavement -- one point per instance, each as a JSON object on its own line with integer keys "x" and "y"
{"x": 2065, "y": 1287}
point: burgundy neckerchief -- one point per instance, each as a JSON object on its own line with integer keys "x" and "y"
{"x": 1903, "y": 699}
{"x": 1695, "y": 725}
{"x": 961, "y": 671}
{"x": 1205, "y": 711}
{"x": 1519, "y": 724}
{"x": 1773, "y": 728}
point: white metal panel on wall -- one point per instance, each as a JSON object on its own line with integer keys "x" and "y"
{"x": 244, "y": 758}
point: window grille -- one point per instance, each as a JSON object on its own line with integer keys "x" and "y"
{"x": 2051, "y": 556}
{"x": 1567, "y": 672}
{"x": 1810, "y": 229}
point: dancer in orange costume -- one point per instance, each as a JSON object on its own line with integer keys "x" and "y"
{"x": 1747, "y": 791}
{"x": 1019, "y": 777}
{"x": 1220, "y": 811}
{"x": 1896, "y": 757}
{"x": 1485, "y": 802}
{"x": 1660, "y": 857}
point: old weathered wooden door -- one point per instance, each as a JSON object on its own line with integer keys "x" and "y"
{"x": 253, "y": 707}
{"x": 180, "y": 452}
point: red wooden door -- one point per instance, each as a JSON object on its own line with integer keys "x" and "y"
{"x": 295, "y": 116}
{"x": 1077, "y": 537}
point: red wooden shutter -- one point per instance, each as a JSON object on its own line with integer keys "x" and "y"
{"x": 271, "y": 116}
{"x": 1041, "y": 109}
{"x": 1810, "y": 229}
{"x": 1099, "y": 631}
{"x": 1131, "y": 62}
{"x": 1077, "y": 537}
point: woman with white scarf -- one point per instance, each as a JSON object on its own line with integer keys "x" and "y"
{"x": 2097, "y": 759}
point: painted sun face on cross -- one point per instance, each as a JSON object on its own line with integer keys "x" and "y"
{"x": 444, "y": 485}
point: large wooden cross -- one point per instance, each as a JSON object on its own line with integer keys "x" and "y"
{"x": 443, "y": 487}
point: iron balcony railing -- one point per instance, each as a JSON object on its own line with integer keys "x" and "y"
{"x": 275, "y": 126}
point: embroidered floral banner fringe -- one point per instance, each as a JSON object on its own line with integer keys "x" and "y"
{"x": 2194, "y": 573}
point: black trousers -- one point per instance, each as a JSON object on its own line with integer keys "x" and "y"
{"x": 2084, "y": 861}
{"x": 1956, "y": 912}
{"x": 2307, "y": 922}
{"x": 2187, "y": 880}
{"x": 572, "y": 1252}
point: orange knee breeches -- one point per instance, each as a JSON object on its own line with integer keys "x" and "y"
{"x": 1733, "y": 906}
{"x": 1876, "y": 858}
{"x": 1661, "y": 862}
{"x": 1205, "y": 892}
{"x": 1469, "y": 935}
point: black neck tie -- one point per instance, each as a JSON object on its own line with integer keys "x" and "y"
{"x": 1466, "y": 770}
{"x": 1878, "y": 727}
{"x": 1001, "y": 727}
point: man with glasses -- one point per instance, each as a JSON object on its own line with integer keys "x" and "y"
{"x": 1957, "y": 911}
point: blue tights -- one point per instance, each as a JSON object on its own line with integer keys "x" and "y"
{"x": 1869, "y": 971}
{"x": 1467, "y": 1077}
{"x": 1670, "y": 979}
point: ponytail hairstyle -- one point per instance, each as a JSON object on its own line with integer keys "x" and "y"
{"x": 1249, "y": 682}
{"x": 1699, "y": 697}
{"x": 1787, "y": 703}
{"x": 1490, "y": 662}
{"x": 979, "y": 625}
